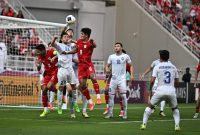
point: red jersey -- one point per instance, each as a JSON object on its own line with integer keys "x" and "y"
{"x": 85, "y": 50}
{"x": 198, "y": 67}
{"x": 128, "y": 68}
{"x": 49, "y": 67}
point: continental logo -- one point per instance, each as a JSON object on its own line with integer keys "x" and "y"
{"x": 12, "y": 89}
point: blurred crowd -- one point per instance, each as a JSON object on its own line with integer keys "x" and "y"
{"x": 18, "y": 41}
{"x": 189, "y": 23}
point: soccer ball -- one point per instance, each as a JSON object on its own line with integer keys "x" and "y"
{"x": 70, "y": 19}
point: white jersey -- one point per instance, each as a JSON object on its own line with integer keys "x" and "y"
{"x": 64, "y": 61}
{"x": 3, "y": 55}
{"x": 166, "y": 73}
{"x": 118, "y": 63}
{"x": 155, "y": 62}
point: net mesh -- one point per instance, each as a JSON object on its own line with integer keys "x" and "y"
{"x": 19, "y": 79}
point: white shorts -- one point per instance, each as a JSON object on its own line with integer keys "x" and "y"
{"x": 120, "y": 84}
{"x": 165, "y": 93}
{"x": 155, "y": 85}
{"x": 66, "y": 75}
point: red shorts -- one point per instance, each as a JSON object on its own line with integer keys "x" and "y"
{"x": 85, "y": 71}
{"x": 50, "y": 79}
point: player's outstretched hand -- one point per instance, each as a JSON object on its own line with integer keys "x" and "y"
{"x": 142, "y": 77}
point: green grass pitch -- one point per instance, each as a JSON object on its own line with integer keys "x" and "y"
{"x": 15, "y": 121}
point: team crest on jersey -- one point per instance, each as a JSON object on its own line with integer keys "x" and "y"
{"x": 85, "y": 46}
{"x": 122, "y": 58}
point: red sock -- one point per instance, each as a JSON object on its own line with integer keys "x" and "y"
{"x": 106, "y": 98}
{"x": 86, "y": 93}
{"x": 96, "y": 88}
{"x": 121, "y": 105}
{"x": 44, "y": 99}
{"x": 106, "y": 94}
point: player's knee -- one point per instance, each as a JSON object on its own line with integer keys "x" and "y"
{"x": 123, "y": 96}
{"x": 61, "y": 87}
{"x": 174, "y": 108}
{"x": 151, "y": 106}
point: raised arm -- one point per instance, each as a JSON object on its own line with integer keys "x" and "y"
{"x": 38, "y": 64}
{"x": 94, "y": 45}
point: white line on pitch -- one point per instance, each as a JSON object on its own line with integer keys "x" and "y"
{"x": 88, "y": 122}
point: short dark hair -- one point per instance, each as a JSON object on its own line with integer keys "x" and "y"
{"x": 86, "y": 31}
{"x": 119, "y": 44}
{"x": 160, "y": 51}
{"x": 70, "y": 30}
{"x": 164, "y": 55}
{"x": 187, "y": 69}
{"x": 40, "y": 47}
{"x": 62, "y": 34}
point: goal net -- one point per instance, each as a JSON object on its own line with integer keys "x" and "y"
{"x": 19, "y": 79}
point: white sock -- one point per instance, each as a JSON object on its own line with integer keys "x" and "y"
{"x": 124, "y": 101}
{"x": 84, "y": 103}
{"x": 71, "y": 104}
{"x": 98, "y": 96}
{"x": 74, "y": 96}
{"x": 146, "y": 115}
{"x": 64, "y": 106}
{"x": 45, "y": 109}
{"x": 51, "y": 99}
{"x": 111, "y": 103}
{"x": 176, "y": 115}
{"x": 59, "y": 98}
{"x": 162, "y": 105}
{"x": 90, "y": 101}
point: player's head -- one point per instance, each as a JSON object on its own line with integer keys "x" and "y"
{"x": 70, "y": 32}
{"x": 40, "y": 50}
{"x": 65, "y": 37}
{"x": 187, "y": 70}
{"x": 164, "y": 55}
{"x": 49, "y": 44}
{"x": 85, "y": 33}
{"x": 118, "y": 47}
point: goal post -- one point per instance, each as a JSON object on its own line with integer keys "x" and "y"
{"x": 19, "y": 79}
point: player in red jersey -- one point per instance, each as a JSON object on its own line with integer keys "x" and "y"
{"x": 196, "y": 115}
{"x": 50, "y": 72}
{"x": 84, "y": 48}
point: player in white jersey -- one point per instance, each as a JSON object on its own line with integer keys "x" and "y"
{"x": 149, "y": 69}
{"x": 66, "y": 76}
{"x": 167, "y": 75}
{"x": 118, "y": 61}
{"x": 3, "y": 56}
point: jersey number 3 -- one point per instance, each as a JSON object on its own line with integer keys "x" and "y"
{"x": 167, "y": 77}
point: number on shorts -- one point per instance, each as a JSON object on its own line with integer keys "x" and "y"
{"x": 63, "y": 83}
